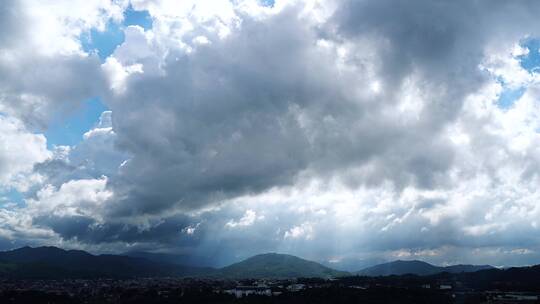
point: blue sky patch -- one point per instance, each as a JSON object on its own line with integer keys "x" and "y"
{"x": 10, "y": 197}
{"x": 509, "y": 96}
{"x": 140, "y": 18}
{"x": 531, "y": 61}
{"x": 105, "y": 42}
{"x": 68, "y": 130}
{"x": 269, "y": 3}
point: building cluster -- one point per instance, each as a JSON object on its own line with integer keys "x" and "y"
{"x": 227, "y": 291}
{"x": 264, "y": 287}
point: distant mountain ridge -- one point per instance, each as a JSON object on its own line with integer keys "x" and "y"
{"x": 52, "y": 262}
{"x": 418, "y": 268}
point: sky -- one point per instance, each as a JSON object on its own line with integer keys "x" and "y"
{"x": 348, "y": 132}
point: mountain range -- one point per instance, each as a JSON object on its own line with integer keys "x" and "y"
{"x": 52, "y": 262}
{"x": 416, "y": 267}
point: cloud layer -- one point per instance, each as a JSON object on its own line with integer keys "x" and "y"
{"x": 337, "y": 130}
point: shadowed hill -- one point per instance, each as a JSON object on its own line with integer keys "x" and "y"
{"x": 273, "y": 265}
{"x": 52, "y": 262}
{"x": 416, "y": 267}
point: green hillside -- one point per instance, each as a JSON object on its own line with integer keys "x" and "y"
{"x": 273, "y": 265}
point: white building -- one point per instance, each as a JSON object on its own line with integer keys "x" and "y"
{"x": 242, "y": 291}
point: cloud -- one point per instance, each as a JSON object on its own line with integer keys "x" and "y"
{"x": 256, "y": 109}
{"x": 303, "y": 231}
{"x": 328, "y": 129}
{"x": 248, "y": 219}
{"x": 44, "y": 71}
{"x": 20, "y": 151}
{"x": 74, "y": 198}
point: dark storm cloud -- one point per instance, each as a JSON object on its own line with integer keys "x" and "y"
{"x": 224, "y": 120}
{"x": 40, "y": 88}
{"x": 87, "y": 230}
{"x": 219, "y": 123}
{"x": 252, "y": 111}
